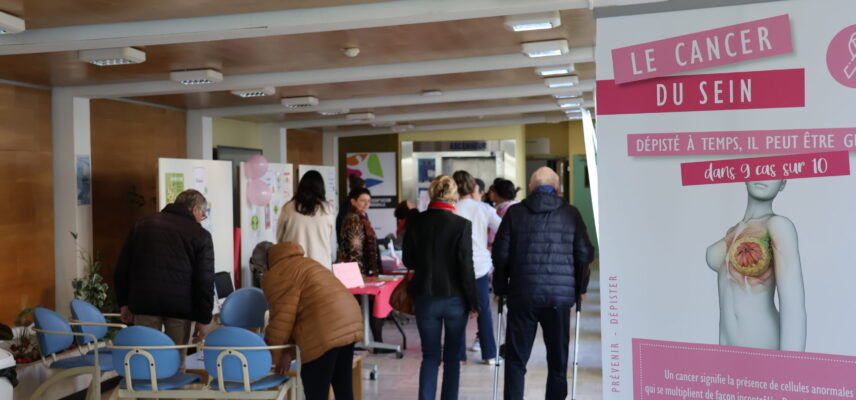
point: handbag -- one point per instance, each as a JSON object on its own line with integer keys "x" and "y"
{"x": 400, "y": 299}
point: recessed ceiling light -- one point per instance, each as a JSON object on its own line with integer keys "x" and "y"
{"x": 300, "y": 102}
{"x": 567, "y": 95}
{"x": 360, "y": 117}
{"x": 533, "y": 22}
{"x": 574, "y": 117}
{"x": 11, "y": 24}
{"x": 555, "y": 70}
{"x": 196, "y": 76}
{"x": 266, "y": 91}
{"x": 328, "y": 113}
{"x": 112, "y": 56}
{"x": 562, "y": 81}
{"x": 546, "y": 48}
{"x": 432, "y": 93}
{"x": 570, "y": 103}
{"x": 383, "y": 124}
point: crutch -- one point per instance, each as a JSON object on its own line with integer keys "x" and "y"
{"x": 499, "y": 337}
{"x": 579, "y": 301}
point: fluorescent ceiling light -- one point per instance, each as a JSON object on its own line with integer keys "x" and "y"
{"x": 570, "y": 103}
{"x": 567, "y": 95}
{"x": 196, "y": 76}
{"x": 300, "y": 102}
{"x": 555, "y": 70}
{"x": 533, "y": 22}
{"x": 562, "y": 81}
{"x": 574, "y": 117}
{"x": 432, "y": 93}
{"x": 265, "y": 91}
{"x": 328, "y": 113}
{"x": 112, "y": 56}
{"x": 360, "y": 117}
{"x": 545, "y": 48}
{"x": 11, "y": 24}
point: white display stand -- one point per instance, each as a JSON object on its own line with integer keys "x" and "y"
{"x": 259, "y": 223}
{"x": 214, "y": 180}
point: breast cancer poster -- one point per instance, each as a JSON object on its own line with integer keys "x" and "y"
{"x": 725, "y": 158}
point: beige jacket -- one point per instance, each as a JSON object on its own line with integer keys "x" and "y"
{"x": 308, "y": 304}
{"x": 313, "y": 233}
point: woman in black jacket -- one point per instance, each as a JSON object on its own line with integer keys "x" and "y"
{"x": 438, "y": 247}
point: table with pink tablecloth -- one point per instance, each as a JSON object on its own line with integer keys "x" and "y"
{"x": 381, "y": 292}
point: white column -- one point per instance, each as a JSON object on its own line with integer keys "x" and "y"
{"x": 274, "y": 143}
{"x": 330, "y": 149}
{"x": 200, "y": 145}
{"x": 71, "y": 139}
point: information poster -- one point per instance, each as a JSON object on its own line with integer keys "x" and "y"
{"x": 214, "y": 180}
{"x": 725, "y": 141}
{"x": 379, "y": 173}
{"x": 259, "y": 223}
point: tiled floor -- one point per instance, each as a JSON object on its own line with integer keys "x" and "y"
{"x": 399, "y": 378}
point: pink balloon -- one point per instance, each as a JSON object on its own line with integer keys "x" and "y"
{"x": 256, "y": 166}
{"x": 258, "y": 193}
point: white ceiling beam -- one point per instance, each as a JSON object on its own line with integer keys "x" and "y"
{"x": 450, "y": 96}
{"x": 455, "y": 125}
{"x": 270, "y": 23}
{"x": 336, "y": 75}
{"x": 423, "y": 116}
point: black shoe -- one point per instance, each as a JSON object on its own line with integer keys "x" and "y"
{"x": 383, "y": 351}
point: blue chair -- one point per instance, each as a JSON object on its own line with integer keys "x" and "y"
{"x": 55, "y": 335}
{"x": 89, "y": 319}
{"x": 148, "y": 362}
{"x": 245, "y": 308}
{"x": 238, "y": 365}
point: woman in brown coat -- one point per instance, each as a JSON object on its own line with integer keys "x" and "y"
{"x": 310, "y": 306}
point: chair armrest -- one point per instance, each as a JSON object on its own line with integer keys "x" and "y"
{"x": 112, "y": 315}
{"x": 89, "y": 335}
{"x": 107, "y": 324}
{"x": 176, "y": 347}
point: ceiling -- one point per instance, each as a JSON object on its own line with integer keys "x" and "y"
{"x": 382, "y": 45}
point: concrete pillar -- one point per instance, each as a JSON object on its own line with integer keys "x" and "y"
{"x": 71, "y": 141}
{"x": 200, "y": 145}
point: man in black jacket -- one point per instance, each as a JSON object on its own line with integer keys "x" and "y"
{"x": 541, "y": 256}
{"x": 165, "y": 273}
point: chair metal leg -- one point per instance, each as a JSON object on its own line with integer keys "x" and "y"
{"x": 37, "y": 395}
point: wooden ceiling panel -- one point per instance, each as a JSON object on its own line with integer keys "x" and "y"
{"x": 384, "y": 45}
{"x": 53, "y": 13}
{"x": 347, "y": 90}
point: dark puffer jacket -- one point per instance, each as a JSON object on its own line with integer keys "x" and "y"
{"x": 166, "y": 267}
{"x": 541, "y": 243}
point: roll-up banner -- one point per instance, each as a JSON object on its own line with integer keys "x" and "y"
{"x": 725, "y": 149}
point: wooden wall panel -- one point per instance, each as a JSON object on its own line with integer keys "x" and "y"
{"x": 127, "y": 140}
{"x": 304, "y": 148}
{"x": 26, "y": 192}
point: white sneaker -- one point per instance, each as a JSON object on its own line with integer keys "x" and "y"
{"x": 476, "y": 347}
{"x": 493, "y": 361}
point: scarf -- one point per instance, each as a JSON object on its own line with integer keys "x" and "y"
{"x": 545, "y": 189}
{"x": 441, "y": 205}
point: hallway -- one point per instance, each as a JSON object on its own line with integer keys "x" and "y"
{"x": 399, "y": 379}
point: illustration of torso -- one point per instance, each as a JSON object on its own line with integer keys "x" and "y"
{"x": 749, "y": 257}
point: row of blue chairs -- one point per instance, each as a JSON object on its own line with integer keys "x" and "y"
{"x": 237, "y": 361}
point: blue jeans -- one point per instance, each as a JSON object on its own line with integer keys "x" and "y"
{"x": 485, "y": 321}
{"x": 432, "y": 315}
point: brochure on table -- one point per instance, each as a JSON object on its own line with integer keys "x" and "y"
{"x": 378, "y": 172}
{"x": 259, "y": 223}
{"x": 214, "y": 180}
{"x": 724, "y": 140}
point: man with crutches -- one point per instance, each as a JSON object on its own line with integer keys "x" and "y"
{"x": 539, "y": 243}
